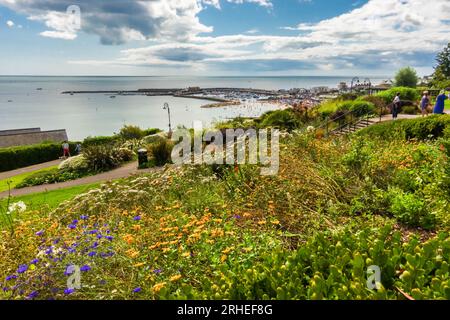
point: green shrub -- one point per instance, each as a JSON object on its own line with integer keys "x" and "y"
{"x": 361, "y": 108}
{"x": 407, "y": 94}
{"x": 19, "y": 157}
{"x": 431, "y": 127}
{"x": 410, "y": 209}
{"x": 409, "y": 110}
{"x": 150, "y": 132}
{"x": 49, "y": 177}
{"x": 161, "y": 152}
{"x": 101, "y": 158}
{"x": 281, "y": 119}
{"x": 131, "y": 132}
{"x": 101, "y": 140}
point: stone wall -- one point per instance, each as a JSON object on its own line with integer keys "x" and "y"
{"x": 29, "y": 138}
{"x": 19, "y": 131}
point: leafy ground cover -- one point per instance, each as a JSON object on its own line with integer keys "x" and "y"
{"x": 12, "y": 182}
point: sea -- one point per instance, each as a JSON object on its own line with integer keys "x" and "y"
{"x": 37, "y": 101}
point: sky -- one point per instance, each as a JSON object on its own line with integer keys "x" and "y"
{"x": 221, "y": 37}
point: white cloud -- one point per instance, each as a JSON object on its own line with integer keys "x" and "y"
{"x": 379, "y": 34}
{"x": 10, "y": 23}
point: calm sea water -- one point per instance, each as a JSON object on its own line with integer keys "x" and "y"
{"x": 21, "y": 105}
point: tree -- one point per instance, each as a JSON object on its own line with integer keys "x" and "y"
{"x": 406, "y": 77}
{"x": 441, "y": 76}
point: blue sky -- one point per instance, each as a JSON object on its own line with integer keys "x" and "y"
{"x": 221, "y": 37}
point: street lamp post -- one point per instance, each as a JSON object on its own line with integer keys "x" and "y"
{"x": 354, "y": 81}
{"x": 166, "y": 107}
{"x": 369, "y": 84}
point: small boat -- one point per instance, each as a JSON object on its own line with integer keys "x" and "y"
{"x": 112, "y": 97}
{"x": 10, "y": 101}
{"x": 39, "y": 89}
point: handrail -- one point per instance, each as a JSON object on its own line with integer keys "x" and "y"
{"x": 352, "y": 123}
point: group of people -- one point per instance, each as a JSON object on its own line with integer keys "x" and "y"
{"x": 66, "y": 149}
{"x": 425, "y": 102}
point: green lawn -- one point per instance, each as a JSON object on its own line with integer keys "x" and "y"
{"x": 46, "y": 201}
{"x": 447, "y": 104}
{"x": 19, "y": 178}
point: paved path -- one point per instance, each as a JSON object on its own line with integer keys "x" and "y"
{"x": 125, "y": 171}
{"x": 9, "y": 174}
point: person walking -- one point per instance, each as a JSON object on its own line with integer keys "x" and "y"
{"x": 78, "y": 149}
{"x": 396, "y": 106}
{"x": 440, "y": 103}
{"x": 424, "y": 103}
{"x": 66, "y": 149}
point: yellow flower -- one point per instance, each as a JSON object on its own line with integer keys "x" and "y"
{"x": 137, "y": 265}
{"x": 186, "y": 254}
{"x": 276, "y": 222}
{"x": 136, "y": 227}
{"x": 157, "y": 287}
{"x": 228, "y": 250}
{"x": 175, "y": 278}
{"x": 262, "y": 222}
{"x": 223, "y": 258}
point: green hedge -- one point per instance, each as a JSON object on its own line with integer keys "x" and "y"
{"x": 431, "y": 127}
{"x": 407, "y": 94}
{"x": 20, "y": 157}
{"x": 101, "y": 140}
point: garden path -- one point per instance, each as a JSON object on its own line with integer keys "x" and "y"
{"x": 125, "y": 171}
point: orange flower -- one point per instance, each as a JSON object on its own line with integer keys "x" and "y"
{"x": 136, "y": 227}
{"x": 128, "y": 238}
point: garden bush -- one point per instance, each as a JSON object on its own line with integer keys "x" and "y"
{"x": 362, "y": 108}
{"x": 131, "y": 132}
{"x": 161, "y": 151}
{"x": 101, "y": 140}
{"x": 19, "y": 157}
{"x": 430, "y": 127}
{"x": 104, "y": 158}
{"x": 49, "y": 177}
{"x": 74, "y": 164}
{"x": 281, "y": 119}
{"x": 407, "y": 94}
{"x": 410, "y": 110}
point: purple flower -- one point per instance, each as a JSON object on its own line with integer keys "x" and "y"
{"x": 69, "y": 270}
{"x": 99, "y": 236}
{"x": 22, "y": 268}
{"x": 72, "y": 226}
{"x": 138, "y": 289}
{"x": 35, "y": 261}
{"x": 69, "y": 291}
{"x": 84, "y": 217}
{"x": 95, "y": 245}
{"x": 39, "y": 233}
{"x": 93, "y": 232}
{"x": 236, "y": 216}
{"x": 92, "y": 253}
{"x": 33, "y": 295}
{"x": 137, "y": 218}
{"x": 75, "y": 221}
{"x": 85, "y": 268}
{"x": 157, "y": 271}
{"x": 48, "y": 251}
{"x": 11, "y": 277}
{"x": 110, "y": 238}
